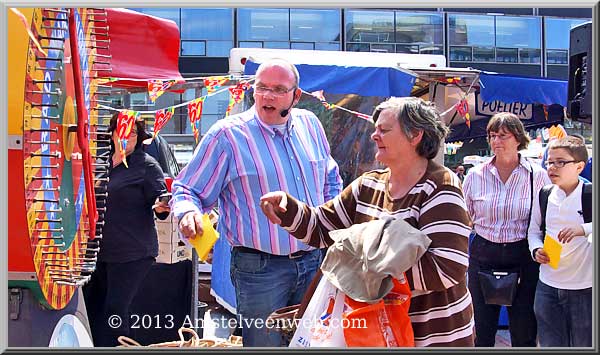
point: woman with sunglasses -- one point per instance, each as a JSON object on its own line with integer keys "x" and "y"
{"x": 499, "y": 195}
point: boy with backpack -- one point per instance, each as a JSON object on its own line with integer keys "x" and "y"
{"x": 562, "y": 211}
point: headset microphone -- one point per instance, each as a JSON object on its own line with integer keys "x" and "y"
{"x": 285, "y": 112}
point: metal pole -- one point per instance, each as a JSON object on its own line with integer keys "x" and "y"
{"x": 194, "y": 305}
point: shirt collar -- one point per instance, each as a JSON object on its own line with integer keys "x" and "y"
{"x": 524, "y": 162}
{"x": 557, "y": 194}
{"x": 290, "y": 126}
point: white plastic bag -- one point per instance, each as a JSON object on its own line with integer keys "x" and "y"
{"x": 321, "y": 324}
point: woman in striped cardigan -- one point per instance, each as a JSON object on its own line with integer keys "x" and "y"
{"x": 408, "y": 134}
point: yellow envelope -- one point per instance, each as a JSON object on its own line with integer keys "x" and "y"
{"x": 552, "y": 247}
{"x": 203, "y": 244}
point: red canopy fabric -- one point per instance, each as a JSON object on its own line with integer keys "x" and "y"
{"x": 141, "y": 47}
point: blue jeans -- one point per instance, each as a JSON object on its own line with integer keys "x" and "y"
{"x": 564, "y": 316}
{"x": 265, "y": 282}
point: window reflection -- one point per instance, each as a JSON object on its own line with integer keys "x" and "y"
{"x": 557, "y": 31}
{"x": 209, "y": 24}
{"x": 474, "y": 30}
{"x": 557, "y": 56}
{"x": 193, "y": 48}
{"x": 520, "y": 32}
{"x": 314, "y": 25}
{"x": 461, "y": 53}
{"x": 211, "y": 32}
{"x": 263, "y": 24}
{"x": 419, "y": 28}
{"x": 530, "y": 55}
{"x": 413, "y": 32}
{"x": 484, "y": 54}
{"x": 166, "y": 13}
{"x": 369, "y": 26}
{"x": 507, "y": 55}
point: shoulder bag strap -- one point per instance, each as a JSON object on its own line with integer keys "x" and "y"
{"x": 531, "y": 202}
{"x": 586, "y": 202}
{"x": 544, "y": 193}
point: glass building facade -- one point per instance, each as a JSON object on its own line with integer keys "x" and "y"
{"x": 526, "y": 41}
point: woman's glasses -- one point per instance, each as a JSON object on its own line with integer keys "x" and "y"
{"x": 502, "y": 137}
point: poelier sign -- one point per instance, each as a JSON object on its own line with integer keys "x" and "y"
{"x": 522, "y": 110}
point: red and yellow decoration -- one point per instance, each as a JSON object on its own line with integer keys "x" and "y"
{"x": 194, "y": 114}
{"x": 158, "y": 87}
{"x": 125, "y": 123}
{"x": 213, "y": 83}
{"x": 462, "y": 107}
{"x": 49, "y": 227}
{"x": 236, "y": 95}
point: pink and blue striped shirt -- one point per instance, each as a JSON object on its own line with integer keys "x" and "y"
{"x": 500, "y": 211}
{"x": 240, "y": 159}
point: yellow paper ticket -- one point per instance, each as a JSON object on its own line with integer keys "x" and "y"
{"x": 203, "y": 244}
{"x": 553, "y": 248}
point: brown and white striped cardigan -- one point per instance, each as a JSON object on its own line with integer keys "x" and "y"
{"x": 441, "y": 310}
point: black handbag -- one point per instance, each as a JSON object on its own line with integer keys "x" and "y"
{"x": 499, "y": 287}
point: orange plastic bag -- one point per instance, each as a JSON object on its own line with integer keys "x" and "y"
{"x": 382, "y": 324}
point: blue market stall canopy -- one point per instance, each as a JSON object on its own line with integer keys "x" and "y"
{"x": 512, "y": 88}
{"x": 538, "y": 102}
{"x": 365, "y": 81}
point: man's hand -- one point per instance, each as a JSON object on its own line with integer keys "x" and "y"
{"x": 568, "y": 233}
{"x": 541, "y": 256}
{"x": 190, "y": 225}
{"x": 271, "y": 202}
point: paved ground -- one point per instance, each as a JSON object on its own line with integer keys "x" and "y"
{"x": 216, "y": 317}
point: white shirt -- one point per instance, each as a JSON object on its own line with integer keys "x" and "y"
{"x": 574, "y": 270}
{"x": 500, "y": 211}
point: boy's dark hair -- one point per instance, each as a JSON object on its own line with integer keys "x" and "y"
{"x": 574, "y": 145}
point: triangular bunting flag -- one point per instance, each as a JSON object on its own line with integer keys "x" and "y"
{"x": 237, "y": 95}
{"x": 125, "y": 122}
{"x": 194, "y": 114}
{"x": 462, "y": 107}
{"x": 213, "y": 83}
{"x": 161, "y": 119}
{"x": 158, "y": 87}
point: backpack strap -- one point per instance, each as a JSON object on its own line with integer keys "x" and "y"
{"x": 544, "y": 193}
{"x": 586, "y": 202}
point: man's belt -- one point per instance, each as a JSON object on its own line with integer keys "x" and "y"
{"x": 298, "y": 254}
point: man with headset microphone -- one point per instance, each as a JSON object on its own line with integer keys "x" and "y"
{"x": 269, "y": 147}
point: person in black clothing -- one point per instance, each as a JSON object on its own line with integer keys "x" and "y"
{"x": 129, "y": 244}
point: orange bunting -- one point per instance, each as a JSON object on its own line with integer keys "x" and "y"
{"x": 213, "y": 83}
{"x": 157, "y": 87}
{"x": 237, "y": 95}
{"x": 194, "y": 114}
{"x": 462, "y": 107}
{"x": 161, "y": 118}
{"x": 125, "y": 123}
